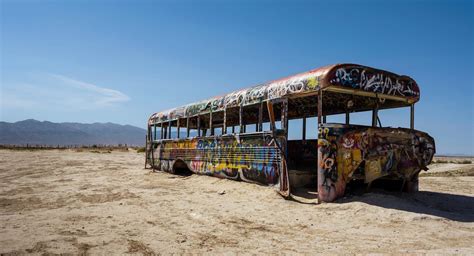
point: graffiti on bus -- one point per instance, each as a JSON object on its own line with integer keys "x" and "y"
{"x": 254, "y": 159}
{"x": 346, "y": 75}
{"x": 378, "y": 82}
{"x": 400, "y": 153}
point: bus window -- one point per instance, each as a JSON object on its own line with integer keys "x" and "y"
{"x": 236, "y": 129}
{"x": 266, "y": 127}
{"x": 396, "y": 117}
{"x": 155, "y": 130}
{"x": 311, "y": 128}
{"x": 339, "y": 119}
{"x": 249, "y": 128}
{"x": 193, "y": 133}
{"x": 232, "y": 120}
{"x": 360, "y": 118}
{"x": 174, "y": 131}
{"x": 295, "y": 129}
{"x": 215, "y": 128}
{"x": 218, "y": 131}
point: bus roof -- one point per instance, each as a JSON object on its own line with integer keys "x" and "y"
{"x": 341, "y": 78}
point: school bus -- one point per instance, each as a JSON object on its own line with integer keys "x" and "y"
{"x": 243, "y": 135}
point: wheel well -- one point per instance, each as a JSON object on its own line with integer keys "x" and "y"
{"x": 181, "y": 168}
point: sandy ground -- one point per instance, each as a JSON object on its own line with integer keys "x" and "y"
{"x": 106, "y": 203}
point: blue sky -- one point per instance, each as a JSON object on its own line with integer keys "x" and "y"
{"x": 120, "y": 61}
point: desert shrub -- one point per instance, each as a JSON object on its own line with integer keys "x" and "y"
{"x": 441, "y": 161}
{"x": 141, "y": 150}
{"x": 466, "y": 162}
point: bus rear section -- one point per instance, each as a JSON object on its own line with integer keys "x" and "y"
{"x": 356, "y": 153}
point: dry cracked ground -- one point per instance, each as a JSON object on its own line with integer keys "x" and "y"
{"x": 66, "y": 202}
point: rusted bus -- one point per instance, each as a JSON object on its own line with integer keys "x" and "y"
{"x": 218, "y": 139}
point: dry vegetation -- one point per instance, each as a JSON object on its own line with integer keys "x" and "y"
{"x": 62, "y": 201}
{"x": 452, "y": 160}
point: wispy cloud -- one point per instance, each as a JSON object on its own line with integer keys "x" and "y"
{"x": 48, "y": 92}
{"x": 105, "y": 95}
{"x": 48, "y": 96}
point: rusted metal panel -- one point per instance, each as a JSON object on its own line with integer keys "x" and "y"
{"x": 211, "y": 127}
{"x": 188, "y": 128}
{"x": 241, "y": 121}
{"x": 260, "y": 118}
{"x": 169, "y": 130}
{"x": 199, "y": 125}
{"x": 320, "y": 107}
{"x": 178, "y": 129}
{"x": 284, "y": 177}
{"x": 304, "y": 129}
{"x": 224, "y": 125}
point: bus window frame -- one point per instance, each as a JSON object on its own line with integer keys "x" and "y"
{"x": 165, "y": 127}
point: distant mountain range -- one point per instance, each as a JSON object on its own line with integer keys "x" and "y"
{"x": 48, "y": 133}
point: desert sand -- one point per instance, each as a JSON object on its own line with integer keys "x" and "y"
{"x": 61, "y": 201}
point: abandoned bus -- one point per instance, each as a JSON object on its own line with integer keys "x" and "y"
{"x": 243, "y": 135}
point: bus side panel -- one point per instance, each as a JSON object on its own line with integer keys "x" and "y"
{"x": 160, "y": 158}
{"x": 213, "y": 157}
{"x": 245, "y": 157}
{"x": 248, "y": 157}
{"x": 260, "y": 160}
{"x": 171, "y": 151}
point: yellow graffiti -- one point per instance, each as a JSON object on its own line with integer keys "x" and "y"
{"x": 313, "y": 83}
